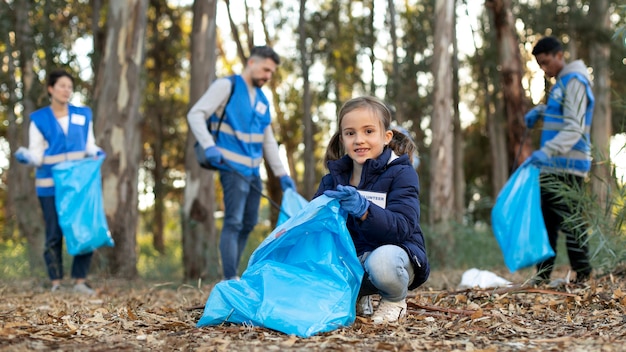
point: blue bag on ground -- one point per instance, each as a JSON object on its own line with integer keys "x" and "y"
{"x": 517, "y": 220}
{"x": 78, "y": 199}
{"x": 303, "y": 279}
{"x": 291, "y": 203}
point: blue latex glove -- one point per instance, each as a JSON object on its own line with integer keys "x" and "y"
{"x": 213, "y": 156}
{"x": 538, "y": 158}
{"x": 101, "y": 153}
{"x": 286, "y": 182}
{"x": 23, "y": 156}
{"x": 350, "y": 200}
{"x": 533, "y": 115}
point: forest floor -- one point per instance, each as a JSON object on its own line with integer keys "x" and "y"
{"x": 137, "y": 316}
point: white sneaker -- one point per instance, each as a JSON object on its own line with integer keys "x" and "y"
{"x": 389, "y": 312}
{"x": 364, "y": 306}
{"x": 83, "y": 288}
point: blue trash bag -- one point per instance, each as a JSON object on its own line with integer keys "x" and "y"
{"x": 291, "y": 203}
{"x": 303, "y": 279}
{"x": 517, "y": 220}
{"x": 78, "y": 199}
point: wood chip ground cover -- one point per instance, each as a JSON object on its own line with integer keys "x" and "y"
{"x": 132, "y": 316}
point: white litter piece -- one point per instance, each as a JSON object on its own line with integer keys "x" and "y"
{"x": 482, "y": 279}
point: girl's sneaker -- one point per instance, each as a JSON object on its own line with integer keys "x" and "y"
{"x": 364, "y": 306}
{"x": 389, "y": 312}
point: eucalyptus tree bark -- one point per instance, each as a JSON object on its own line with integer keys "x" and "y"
{"x": 118, "y": 93}
{"x": 23, "y": 196}
{"x": 459, "y": 144}
{"x": 395, "y": 75}
{"x": 441, "y": 148}
{"x": 200, "y": 242}
{"x": 309, "y": 182}
{"x": 600, "y": 51}
{"x": 511, "y": 71}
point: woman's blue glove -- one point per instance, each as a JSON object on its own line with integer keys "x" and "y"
{"x": 286, "y": 182}
{"x": 213, "y": 156}
{"x": 538, "y": 158}
{"x": 350, "y": 200}
{"x": 533, "y": 115}
{"x": 22, "y": 155}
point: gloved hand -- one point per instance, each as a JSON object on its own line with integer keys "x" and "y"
{"x": 286, "y": 182}
{"x": 101, "y": 153}
{"x": 538, "y": 158}
{"x": 213, "y": 155}
{"x": 350, "y": 200}
{"x": 534, "y": 114}
{"x": 23, "y": 156}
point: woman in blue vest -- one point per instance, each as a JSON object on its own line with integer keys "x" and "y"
{"x": 565, "y": 153}
{"x": 58, "y": 132}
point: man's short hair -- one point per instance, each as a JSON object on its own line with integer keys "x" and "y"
{"x": 265, "y": 52}
{"x": 547, "y": 45}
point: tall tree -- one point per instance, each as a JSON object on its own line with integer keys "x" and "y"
{"x": 200, "y": 244}
{"x": 118, "y": 94}
{"x": 309, "y": 181}
{"x": 459, "y": 145}
{"x": 511, "y": 71}
{"x": 600, "y": 53}
{"x": 23, "y": 199}
{"x": 441, "y": 147}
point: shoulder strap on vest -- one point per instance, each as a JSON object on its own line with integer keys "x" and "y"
{"x": 232, "y": 79}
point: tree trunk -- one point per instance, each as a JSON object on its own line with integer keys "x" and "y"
{"x": 600, "y": 51}
{"x": 118, "y": 92}
{"x": 200, "y": 243}
{"x": 395, "y": 75}
{"x": 309, "y": 181}
{"x": 23, "y": 196}
{"x": 459, "y": 143}
{"x": 441, "y": 148}
{"x": 511, "y": 71}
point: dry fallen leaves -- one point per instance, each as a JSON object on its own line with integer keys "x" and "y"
{"x": 126, "y": 316}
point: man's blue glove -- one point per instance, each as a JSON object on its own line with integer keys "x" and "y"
{"x": 533, "y": 115}
{"x": 286, "y": 182}
{"x": 538, "y": 158}
{"x": 23, "y": 156}
{"x": 350, "y": 200}
{"x": 101, "y": 153}
{"x": 213, "y": 156}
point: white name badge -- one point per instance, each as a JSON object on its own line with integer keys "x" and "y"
{"x": 377, "y": 198}
{"x": 260, "y": 108}
{"x": 78, "y": 119}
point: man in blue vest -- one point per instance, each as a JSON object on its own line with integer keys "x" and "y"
{"x": 239, "y": 115}
{"x": 565, "y": 153}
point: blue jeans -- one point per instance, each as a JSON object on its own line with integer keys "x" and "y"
{"x": 54, "y": 245}
{"x": 388, "y": 272}
{"x": 241, "y": 211}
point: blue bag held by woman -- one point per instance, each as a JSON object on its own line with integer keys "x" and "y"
{"x": 303, "y": 279}
{"x": 78, "y": 197}
{"x": 517, "y": 220}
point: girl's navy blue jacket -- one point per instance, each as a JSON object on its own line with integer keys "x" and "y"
{"x": 398, "y": 222}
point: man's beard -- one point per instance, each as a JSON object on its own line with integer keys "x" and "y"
{"x": 258, "y": 82}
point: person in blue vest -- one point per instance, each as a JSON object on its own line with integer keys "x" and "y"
{"x": 565, "y": 152}
{"x": 239, "y": 114}
{"x": 59, "y": 132}
{"x": 372, "y": 176}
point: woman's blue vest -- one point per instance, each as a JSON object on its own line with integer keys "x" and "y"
{"x": 241, "y": 133}
{"x": 578, "y": 160}
{"x": 61, "y": 147}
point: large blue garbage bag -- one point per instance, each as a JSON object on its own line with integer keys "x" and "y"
{"x": 78, "y": 199}
{"x": 291, "y": 203}
{"x": 303, "y": 279}
{"x": 517, "y": 220}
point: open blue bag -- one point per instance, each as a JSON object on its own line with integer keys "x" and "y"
{"x": 303, "y": 279}
{"x": 291, "y": 203}
{"x": 517, "y": 220}
{"x": 78, "y": 199}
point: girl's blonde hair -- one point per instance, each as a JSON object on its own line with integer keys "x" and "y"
{"x": 400, "y": 143}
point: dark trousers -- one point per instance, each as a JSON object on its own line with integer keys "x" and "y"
{"x": 54, "y": 245}
{"x": 558, "y": 211}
